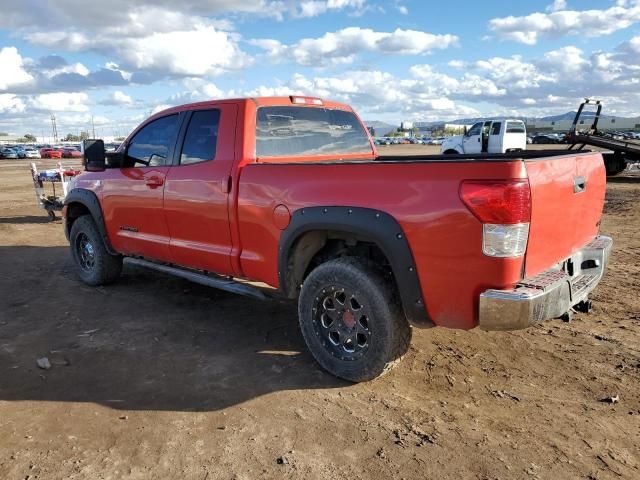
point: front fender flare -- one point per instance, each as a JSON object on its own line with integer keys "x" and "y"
{"x": 368, "y": 224}
{"x": 90, "y": 201}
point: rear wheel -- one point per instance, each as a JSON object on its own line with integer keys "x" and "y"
{"x": 351, "y": 321}
{"x": 451, "y": 152}
{"x": 94, "y": 264}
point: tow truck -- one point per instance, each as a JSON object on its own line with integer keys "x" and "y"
{"x": 620, "y": 152}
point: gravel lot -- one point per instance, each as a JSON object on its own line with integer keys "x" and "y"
{"x": 155, "y": 377}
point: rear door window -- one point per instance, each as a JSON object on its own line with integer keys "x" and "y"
{"x": 201, "y": 137}
{"x": 495, "y": 128}
{"x": 296, "y": 131}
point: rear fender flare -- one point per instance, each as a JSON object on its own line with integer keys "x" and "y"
{"x": 90, "y": 201}
{"x": 367, "y": 224}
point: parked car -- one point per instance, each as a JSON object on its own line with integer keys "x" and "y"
{"x": 490, "y": 136}
{"x": 209, "y": 195}
{"x": 545, "y": 139}
{"x": 31, "y": 152}
{"x": 50, "y": 153}
{"x": 8, "y": 153}
{"x": 20, "y": 151}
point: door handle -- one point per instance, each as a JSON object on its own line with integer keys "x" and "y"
{"x": 154, "y": 182}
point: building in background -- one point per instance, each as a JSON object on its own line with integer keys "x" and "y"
{"x": 606, "y": 123}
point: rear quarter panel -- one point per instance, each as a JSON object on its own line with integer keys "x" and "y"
{"x": 445, "y": 239}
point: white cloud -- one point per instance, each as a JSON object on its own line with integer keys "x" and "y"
{"x": 12, "y": 70}
{"x": 313, "y": 8}
{"x": 11, "y": 104}
{"x": 197, "y": 90}
{"x": 118, "y": 98}
{"x": 198, "y": 50}
{"x": 61, "y": 102}
{"x": 342, "y": 46}
{"x": 160, "y": 108}
{"x": 564, "y": 63}
{"x": 512, "y": 72}
{"x": 77, "y": 68}
{"x": 591, "y": 23}
{"x": 193, "y": 53}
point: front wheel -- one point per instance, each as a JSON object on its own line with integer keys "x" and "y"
{"x": 351, "y": 321}
{"x": 94, "y": 264}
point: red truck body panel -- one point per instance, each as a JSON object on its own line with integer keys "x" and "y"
{"x": 227, "y": 215}
{"x": 423, "y": 197}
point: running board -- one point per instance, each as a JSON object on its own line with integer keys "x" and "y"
{"x": 200, "y": 278}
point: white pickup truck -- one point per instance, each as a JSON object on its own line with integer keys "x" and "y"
{"x": 489, "y": 136}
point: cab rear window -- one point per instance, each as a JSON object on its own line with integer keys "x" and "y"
{"x": 297, "y": 131}
{"x": 515, "y": 127}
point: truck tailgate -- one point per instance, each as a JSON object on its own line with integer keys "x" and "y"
{"x": 567, "y": 197}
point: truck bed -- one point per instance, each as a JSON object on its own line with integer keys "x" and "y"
{"x": 421, "y": 193}
{"x": 475, "y": 157}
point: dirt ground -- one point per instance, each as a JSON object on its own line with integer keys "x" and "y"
{"x": 155, "y": 377}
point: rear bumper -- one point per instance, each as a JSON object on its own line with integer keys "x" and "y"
{"x": 548, "y": 295}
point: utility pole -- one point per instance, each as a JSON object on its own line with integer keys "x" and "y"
{"x": 54, "y": 129}
{"x": 93, "y": 127}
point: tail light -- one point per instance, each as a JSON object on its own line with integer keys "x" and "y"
{"x": 504, "y": 208}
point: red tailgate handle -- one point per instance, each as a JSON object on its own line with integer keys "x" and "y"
{"x": 154, "y": 182}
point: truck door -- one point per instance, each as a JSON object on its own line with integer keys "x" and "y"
{"x": 132, "y": 195}
{"x": 197, "y": 190}
{"x": 472, "y": 140}
{"x": 495, "y": 138}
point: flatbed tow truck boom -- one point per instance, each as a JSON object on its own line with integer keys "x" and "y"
{"x": 620, "y": 152}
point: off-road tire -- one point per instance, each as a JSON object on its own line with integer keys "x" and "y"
{"x": 390, "y": 333}
{"x": 104, "y": 267}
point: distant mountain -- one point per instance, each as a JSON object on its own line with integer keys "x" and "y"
{"x": 379, "y": 125}
{"x": 381, "y": 128}
{"x": 572, "y": 115}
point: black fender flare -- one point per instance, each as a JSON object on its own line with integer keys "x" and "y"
{"x": 367, "y": 224}
{"x": 90, "y": 201}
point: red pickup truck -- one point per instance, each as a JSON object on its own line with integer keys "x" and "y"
{"x": 291, "y": 192}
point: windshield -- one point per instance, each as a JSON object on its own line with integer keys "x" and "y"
{"x": 295, "y": 131}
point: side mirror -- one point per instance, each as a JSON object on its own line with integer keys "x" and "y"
{"x": 94, "y": 155}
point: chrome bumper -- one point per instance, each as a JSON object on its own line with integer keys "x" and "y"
{"x": 548, "y": 295}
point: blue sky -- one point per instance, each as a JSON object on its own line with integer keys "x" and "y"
{"x": 392, "y": 60}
